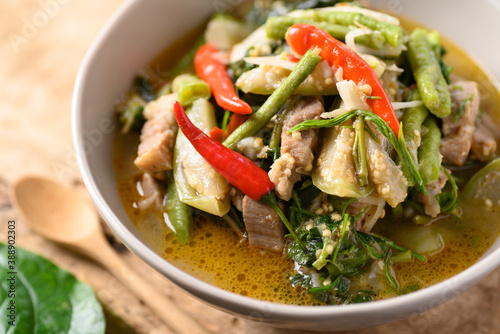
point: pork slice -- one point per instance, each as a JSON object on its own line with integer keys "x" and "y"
{"x": 484, "y": 145}
{"x": 296, "y": 148}
{"x": 430, "y": 202}
{"x": 459, "y": 126}
{"x": 158, "y": 134}
{"x": 264, "y": 227}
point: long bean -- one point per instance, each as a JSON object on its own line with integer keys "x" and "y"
{"x": 412, "y": 121}
{"x": 427, "y": 72}
{"x": 277, "y": 26}
{"x": 435, "y": 40}
{"x": 429, "y": 158}
{"x": 393, "y": 34}
{"x": 179, "y": 214}
{"x": 277, "y": 99}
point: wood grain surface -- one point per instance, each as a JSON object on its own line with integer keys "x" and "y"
{"x": 42, "y": 43}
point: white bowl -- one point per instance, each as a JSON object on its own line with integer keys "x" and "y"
{"x": 137, "y": 33}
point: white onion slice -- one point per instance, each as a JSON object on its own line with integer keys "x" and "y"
{"x": 271, "y": 61}
{"x": 404, "y": 105}
{"x": 351, "y": 35}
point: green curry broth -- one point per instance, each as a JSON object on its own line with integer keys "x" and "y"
{"x": 217, "y": 255}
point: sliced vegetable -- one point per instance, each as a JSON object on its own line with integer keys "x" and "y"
{"x": 335, "y": 173}
{"x": 387, "y": 177}
{"x": 425, "y": 240}
{"x": 274, "y": 103}
{"x": 427, "y": 72}
{"x": 398, "y": 143}
{"x": 302, "y": 37}
{"x": 190, "y": 88}
{"x": 210, "y": 70}
{"x": 224, "y": 31}
{"x": 484, "y": 184}
{"x": 266, "y": 79}
{"x": 198, "y": 184}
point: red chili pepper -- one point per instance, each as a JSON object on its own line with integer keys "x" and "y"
{"x": 235, "y": 121}
{"x": 214, "y": 74}
{"x": 217, "y": 134}
{"x": 302, "y": 37}
{"x": 237, "y": 169}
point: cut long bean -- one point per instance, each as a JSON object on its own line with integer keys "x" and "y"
{"x": 412, "y": 121}
{"x": 273, "y": 104}
{"x": 427, "y": 72}
{"x": 393, "y": 34}
{"x": 179, "y": 214}
{"x": 429, "y": 158}
{"x": 277, "y": 26}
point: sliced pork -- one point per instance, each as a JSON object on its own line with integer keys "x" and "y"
{"x": 459, "y": 126}
{"x": 484, "y": 144}
{"x": 296, "y": 148}
{"x": 158, "y": 134}
{"x": 264, "y": 227}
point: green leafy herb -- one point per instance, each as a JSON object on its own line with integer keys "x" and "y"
{"x": 338, "y": 254}
{"x": 408, "y": 289}
{"x": 131, "y": 114}
{"x": 47, "y": 298}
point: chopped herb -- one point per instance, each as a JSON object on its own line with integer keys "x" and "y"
{"x": 408, "y": 289}
{"x": 462, "y": 107}
{"x": 340, "y": 256}
{"x": 387, "y": 269}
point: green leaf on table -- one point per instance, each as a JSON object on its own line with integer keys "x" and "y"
{"x": 47, "y": 298}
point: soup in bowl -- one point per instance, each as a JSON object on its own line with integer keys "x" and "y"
{"x": 324, "y": 181}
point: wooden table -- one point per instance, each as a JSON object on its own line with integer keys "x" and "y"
{"x": 41, "y": 46}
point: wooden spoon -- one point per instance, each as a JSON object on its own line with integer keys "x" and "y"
{"x": 63, "y": 215}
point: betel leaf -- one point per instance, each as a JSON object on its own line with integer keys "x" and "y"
{"x": 47, "y": 299}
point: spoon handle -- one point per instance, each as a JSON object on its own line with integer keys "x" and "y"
{"x": 164, "y": 307}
